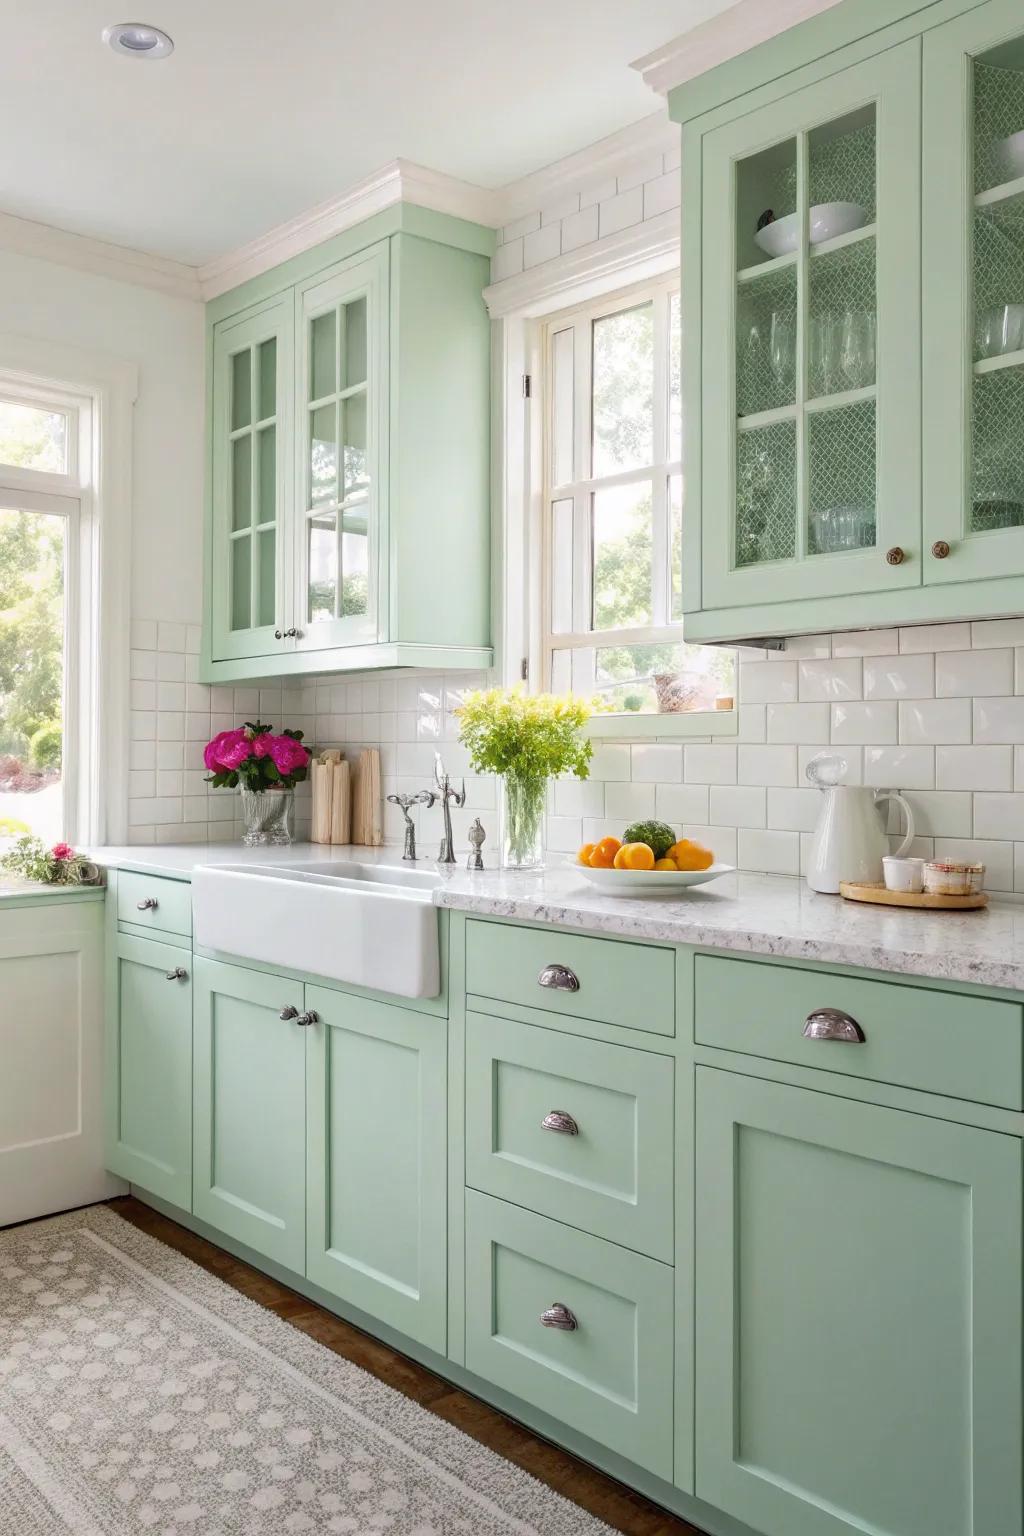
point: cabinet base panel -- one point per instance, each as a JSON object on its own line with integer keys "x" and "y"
{"x": 350, "y": 658}
{"x": 708, "y": 1520}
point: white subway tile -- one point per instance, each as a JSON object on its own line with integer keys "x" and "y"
{"x": 996, "y": 857}
{"x": 196, "y": 832}
{"x": 520, "y": 227}
{"x": 542, "y": 245}
{"x": 937, "y": 813}
{"x": 673, "y": 158}
{"x": 857, "y": 723}
{"x": 243, "y": 701}
{"x": 794, "y": 810}
{"x": 751, "y": 723}
{"x": 598, "y": 192}
{"x": 507, "y": 261}
{"x": 170, "y": 637}
{"x": 142, "y": 695}
{"x": 142, "y": 754}
{"x": 141, "y": 836}
{"x": 988, "y": 768}
{"x": 831, "y": 679}
{"x": 903, "y": 767}
{"x": 565, "y": 833}
{"x": 767, "y": 765}
{"x": 721, "y": 840}
{"x": 997, "y": 632}
{"x": 193, "y": 639}
{"x": 170, "y": 666}
{"x": 580, "y": 228}
{"x": 169, "y": 781}
{"x": 143, "y": 664}
{"x": 805, "y": 648}
{"x": 998, "y": 721}
{"x": 143, "y": 725}
{"x": 709, "y": 765}
{"x": 170, "y": 696}
{"x": 662, "y": 193}
{"x": 936, "y": 637}
{"x": 142, "y": 633}
{"x": 935, "y": 721}
{"x": 579, "y": 797}
{"x": 737, "y": 806}
{"x": 899, "y": 677}
{"x": 170, "y": 726}
{"x": 197, "y": 696}
{"x": 850, "y": 755}
{"x": 679, "y": 803}
{"x": 171, "y": 754}
{"x": 967, "y": 674}
{"x": 554, "y": 212}
{"x": 866, "y": 642}
{"x": 642, "y": 169}
{"x": 621, "y": 211}
{"x": 766, "y": 682}
{"x": 776, "y": 853}
{"x": 141, "y": 783}
{"x": 797, "y": 723}
{"x": 610, "y": 761}
{"x": 656, "y": 764}
{"x": 629, "y": 802}
{"x": 999, "y": 816}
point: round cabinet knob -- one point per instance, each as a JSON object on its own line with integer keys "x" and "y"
{"x": 278, "y": 634}
{"x": 178, "y": 974}
{"x": 288, "y": 1013}
{"x": 291, "y": 634}
{"x": 559, "y": 1316}
{"x": 305, "y": 1019}
{"x": 561, "y": 1121}
{"x": 895, "y": 556}
{"x": 148, "y": 904}
{"x": 940, "y": 549}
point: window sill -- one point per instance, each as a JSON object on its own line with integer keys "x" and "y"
{"x": 691, "y": 723}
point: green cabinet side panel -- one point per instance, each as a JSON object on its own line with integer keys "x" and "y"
{"x": 148, "y": 1068}
{"x": 376, "y": 1161}
{"x": 250, "y": 1110}
{"x": 858, "y": 1322}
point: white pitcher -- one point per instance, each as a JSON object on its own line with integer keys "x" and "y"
{"x": 850, "y": 837}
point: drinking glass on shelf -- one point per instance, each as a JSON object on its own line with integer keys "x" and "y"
{"x": 782, "y": 352}
{"x": 999, "y": 330}
{"x": 824, "y": 354}
{"x": 857, "y": 349}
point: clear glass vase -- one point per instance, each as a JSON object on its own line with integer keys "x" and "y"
{"x": 267, "y": 814}
{"x": 523, "y": 808}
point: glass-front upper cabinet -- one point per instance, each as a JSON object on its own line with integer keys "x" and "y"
{"x": 342, "y": 369}
{"x": 810, "y": 399}
{"x": 252, "y": 362}
{"x": 974, "y": 295}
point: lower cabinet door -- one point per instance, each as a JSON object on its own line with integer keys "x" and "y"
{"x": 579, "y": 1327}
{"x": 377, "y": 1157}
{"x": 149, "y": 1068}
{"x": 858, "y": 1305}
{"x": 250, "y": 1109}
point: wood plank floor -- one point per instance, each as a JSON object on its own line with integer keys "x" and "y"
{"x": 610, "y": 1501}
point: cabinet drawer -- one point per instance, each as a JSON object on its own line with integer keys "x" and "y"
{"x": 573, "y": 1128}
{"x": 171, "y": 911}
{"x": 611, "y": 982}
{"x": 610, "y": 1377}
{"x": 966, "y": 1047}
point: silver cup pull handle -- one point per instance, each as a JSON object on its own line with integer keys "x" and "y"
{"x": 148, "y": 904}
{"x": 560, "y": 978}
{"x": 559, "y": 1316}
{"x": 833, "y": 1024}
{"x": 561, "y": 1121}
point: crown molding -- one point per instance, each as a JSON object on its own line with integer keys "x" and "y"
{"x": 398, "y": 181}
{"x": 647, "y": 250}
{"x": 743, "y": 26}
{"x": 27, "y": 238}
{"x": 652, "y": 135}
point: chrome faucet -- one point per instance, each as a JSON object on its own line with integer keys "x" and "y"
{"x": 447, "y": 795}
{"x": 405, "y": 802}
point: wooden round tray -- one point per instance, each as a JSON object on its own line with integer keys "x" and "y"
{"x": 927, "y": 899}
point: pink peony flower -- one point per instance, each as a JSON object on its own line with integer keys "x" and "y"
{"x": 62, "y": 851}
{"x": 227, "y": 751}
{"x": 287, "y": 754}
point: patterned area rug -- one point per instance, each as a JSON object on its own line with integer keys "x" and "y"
{"x": 140, "y": 1394}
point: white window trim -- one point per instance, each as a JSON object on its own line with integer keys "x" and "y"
{"x": 103, "y": 389}
{"x": 518, "y": 308}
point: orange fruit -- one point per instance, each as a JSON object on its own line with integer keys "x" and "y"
{"x": 603, "y": 853}
{"x": 666, "y": 863}
{"x": 692, "y": 856}
{"x": 634, "y": 856}
{"x": 583, "y": 857}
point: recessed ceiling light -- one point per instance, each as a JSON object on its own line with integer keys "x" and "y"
{"x": 138, "y": 40}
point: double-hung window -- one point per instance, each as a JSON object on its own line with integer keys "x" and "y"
{"x": 612, "y": 512}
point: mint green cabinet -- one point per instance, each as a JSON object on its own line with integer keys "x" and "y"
{"x": 249, "y": 1140}
{"x": 376, "y": 1160}
{"x": 349, "y": 419}
{"x": 148, "y": 1070}
{"x": 974, "y": 295}
{"x": 250, "y": 468}
{"x": 809, "y": 350}
{"x": 858, "y": 1316}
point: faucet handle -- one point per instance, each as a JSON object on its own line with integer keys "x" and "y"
{"x": 404, "y": 802}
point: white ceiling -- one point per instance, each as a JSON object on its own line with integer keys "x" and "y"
{"x": 266, "y": 109}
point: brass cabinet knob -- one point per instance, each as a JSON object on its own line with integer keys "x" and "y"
{"x": 895, "y": 556}
{"x": 940, "y": 549}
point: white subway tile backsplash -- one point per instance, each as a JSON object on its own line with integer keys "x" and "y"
{"x": 621, "y": 211}
{"x": 856, "y": 723}
{"x": 797, "y": 723}
{"x": 765, "y": 682}
{"x": 793, "y": 810}
{"x": 936, "y": 637}
{"x": 629, "y": 802}
{"x": 935, "y": 721}
{"x": 973, "y": 674}
{"x": 580, "y": 228}
{"x": 142, "y": 634}
{"x": 974, "y": 768}
{"x": 660, "y": 194}
{"x": 767, "y": 765}
{"x": 832, "y": 679}
{"x": 777, "y": 853}
{"x": 143, "y": 664}
{"x": 170, "y": 667}
{"x": 997, "y": 858}
{"x": 733, "y": 805}
{"x": 998, "y": 721}
{"x": 899, "y": 677}
{"x": 937, "y": 813}
{"x": 866, "y": 642}
{"x": 997, "y": 632}
{"x": 507, "y": 261}
{"x": 170, "y": 637}
{"x": 710, "y": 765}
{"x": 901, "y": 767}
{"x": 999, "y": 816}
{"x": 679, "y": 803}
{"x": 656, "y": 764}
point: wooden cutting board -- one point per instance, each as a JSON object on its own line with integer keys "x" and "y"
{"x": 880, "y": 896}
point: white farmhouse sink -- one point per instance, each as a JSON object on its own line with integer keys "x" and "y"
{"x": 370, "y": 924}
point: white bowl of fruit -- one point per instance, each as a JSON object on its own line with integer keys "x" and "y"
{"x": 648, "y": 858}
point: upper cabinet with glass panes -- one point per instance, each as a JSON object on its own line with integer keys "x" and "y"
{"x": 853, "y": 321}
{"x": 349, "y": 439}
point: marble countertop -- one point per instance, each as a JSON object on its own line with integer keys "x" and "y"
{"x": 12, "y": 889}
{"x": 744, "y": 913}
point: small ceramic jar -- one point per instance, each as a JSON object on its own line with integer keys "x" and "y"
{"x": 945, "y": 878}
{"x": 903, "y": 874}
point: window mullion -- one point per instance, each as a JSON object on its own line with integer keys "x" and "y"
{"x": 583, "y": 564}
{"x": 661, "y": 553}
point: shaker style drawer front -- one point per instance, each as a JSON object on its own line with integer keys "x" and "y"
{"x": 632, "y": 985}
{"x": 573, "y": 1128}
{"x": 575, "y": 1326}
{"x": 965, "y": 1047}
{"x": 150, "y": 901}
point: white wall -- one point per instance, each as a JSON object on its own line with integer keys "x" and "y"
{"x": 163, "y": 336}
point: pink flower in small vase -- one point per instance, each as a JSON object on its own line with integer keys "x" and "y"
{"x": 227, "y": 751}
{"x": 287, "y": 753}
{"x": 62, "y": 851}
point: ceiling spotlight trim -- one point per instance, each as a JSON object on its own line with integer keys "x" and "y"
{"x": 151, "y": 42}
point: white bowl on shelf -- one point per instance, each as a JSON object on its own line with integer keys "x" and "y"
{"x": 827, "y": 220}
{"x": 1010, "y": 155}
